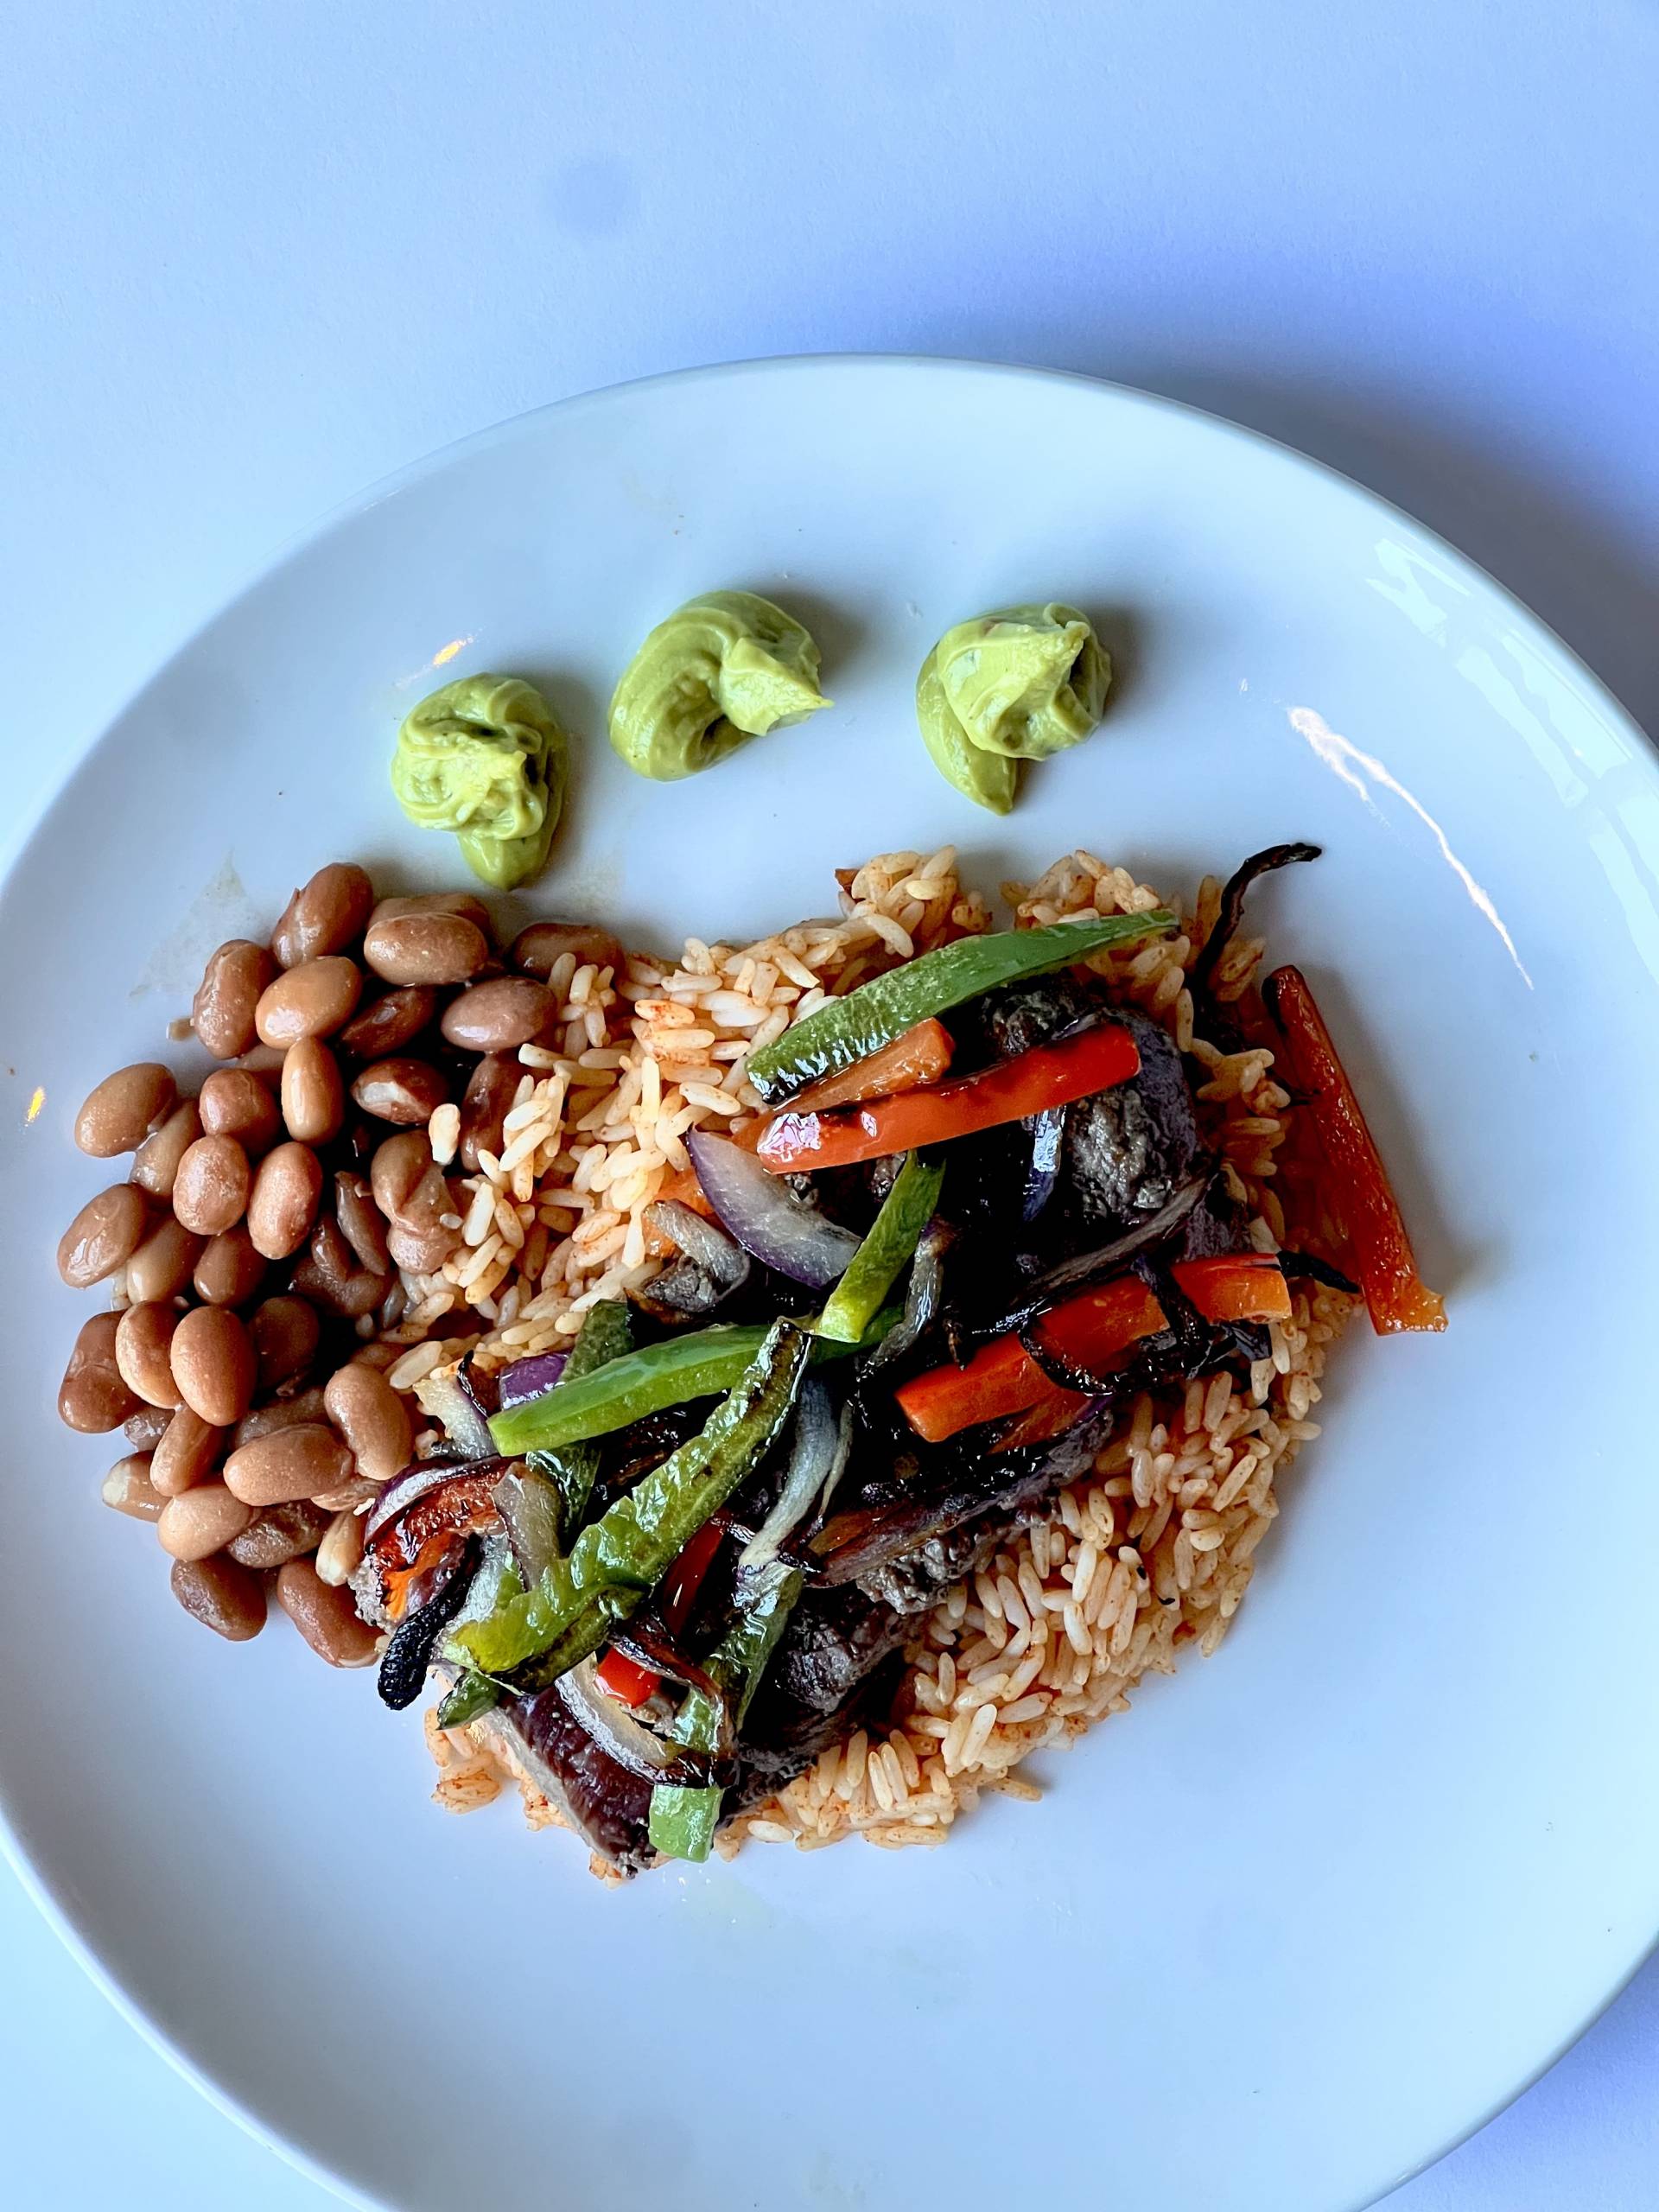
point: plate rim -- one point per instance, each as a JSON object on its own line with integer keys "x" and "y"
{"x": 35, "y": 1880}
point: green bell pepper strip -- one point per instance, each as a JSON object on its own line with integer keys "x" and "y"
{"x": 618, "y": 1558}
{"x": 606, "y": 1334}
{"x": 470, "y": 1694}
{"x": 844, "y": 1031}
{"x": 683, "y": 1820}
{"x": 701, "y": 1364}
{"x": 890, "y": 1245}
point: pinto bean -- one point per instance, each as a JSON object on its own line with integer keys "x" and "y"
{"x": 222, "y": 1595}
{"x": 377, "y": 1032}
{"x": 94, "y": 1397}
{"x": 128, "y": 1487}
{"x": 403, "y": 1090}
{"x": 313, "y": 1000}
{"x": 187, "y": 1454}
{"x": 230, "y": 1270}
{"x": 325, "y": 916}
{"x": 279, "y": 1534}
{"x": 144, "y": 1352}
{"x": 373, "y": 1419}
{"x": 303, "y": 1462}
{"x": 535, "y": 950}
{"x": 202, "y": 1520}
{"x": 488, "y": 1100}
{"x": 283, "y": 1202}
{"x": 235, "y": 1103}
{"x": 102, "y": 1236}
{"x": 210, "y": 1192}
{"x": 435, "y": 947}
{"x": 361, "y": 1221}
{"x": 121, "y": 1112}
{"x": 213, "y": 1364}
{"x": 326, "y": 1617}
{"x": 223, "y": 1013}
{"x": 156, "y": 1161}
{"x": 313, "y": 1097}
{"x": 284, "y": 1332}
{"x": 164, "y": 1263}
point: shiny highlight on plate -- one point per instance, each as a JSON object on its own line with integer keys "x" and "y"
{"x": 1345, "y": 760}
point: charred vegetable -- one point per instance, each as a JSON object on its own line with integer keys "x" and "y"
{"x": 1048, "y": 1075}
{"x": 606, "y": 1335}
{"x": 885, "y": 1253}
{"x": 676, "y": 1372}
{"x": 683, "y": 1820}
{"x": 536, "y": 1634}
{"x": 1201, "y": 981}
{"x": 403, "y": 1668}
{"x": 711, "y": 1266}
{"x": 767, "y": 1218}
{"x": 1395, "y": 1292}
{"x": 875, "y": 1015}
{"x": 1013, "y": 1373}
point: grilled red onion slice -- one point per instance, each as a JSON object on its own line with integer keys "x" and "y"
{"x": 766, "y": 1216}
{"x": 528, "y": 1378}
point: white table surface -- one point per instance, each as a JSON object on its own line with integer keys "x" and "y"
{"x": 253, "y": 257}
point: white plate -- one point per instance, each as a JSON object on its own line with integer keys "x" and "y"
{"x": 1314, "y": 1907}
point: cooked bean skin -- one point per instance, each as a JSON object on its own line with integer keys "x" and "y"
{"x": 306, "y": 1461}
{"x": 210, "y": 1191}
{"x": 313, "y": 1000}
{"x": 437, "y": 947}
{"x": 94, "y": 1397}
{"x": 324, "y": 1616}
{"x": 284, "y": 1200}
{"x": 499, "y": 1016}
{"x": 223, "y": 1015}
{"x": 403, "y": 1091}
{"x": 102, "y": 1236}
{"x": 156, "y": 1164}
{"x": 120, "y": 1113}
{"x": 222, "y": 1595}
{"x": 325, "y": 916}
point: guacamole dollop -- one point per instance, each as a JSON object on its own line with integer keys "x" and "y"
{"x": 990, "y": 779}
{"x": 1025, "y": 681}
{"x": 488, "y": 758}
{"x": 727, "y": 666}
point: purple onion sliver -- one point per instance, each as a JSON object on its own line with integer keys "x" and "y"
{"x": 767, "y": 1219}
{"x": 528, "y": 1378}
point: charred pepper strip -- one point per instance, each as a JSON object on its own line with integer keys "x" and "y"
{"x": 886, "y": 1252}
{"x": 1011, "y": 1090}
{"x": 703, "y": 1363}
{"x": 848, "y": 1029}
{"x": 536, "y": 1634}
{"x": 470, "y": 1694}
{"x": 683, "y": 1820}
{"x": 1395, "y": 1292}
{"x": 607, "y": 1334}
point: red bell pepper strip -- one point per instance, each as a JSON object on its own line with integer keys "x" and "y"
{"x": 1395, "y": 1295}
{"x": 921, "y": 1055}
{"x": 627, "y": 1681}
{"x": 1050, "y": 1074}
{"x": 1003, "y": 1378}
{"x": 625, "y": 1678}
